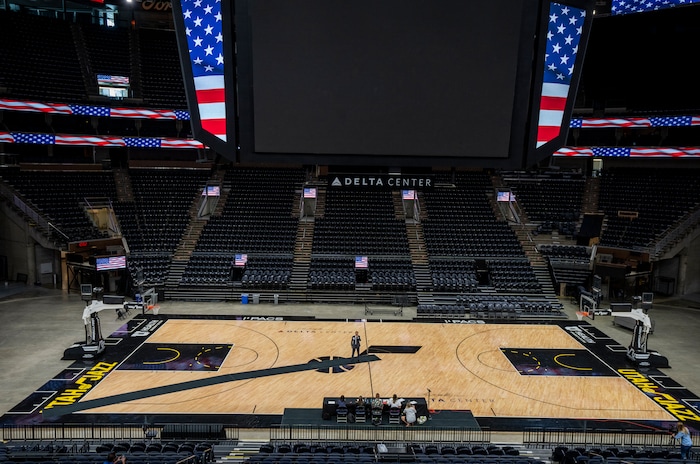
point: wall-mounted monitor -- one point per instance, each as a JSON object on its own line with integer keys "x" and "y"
{"x": 361, "y": 262}
{"x": 113, "y": 86}
{"x": 503, "y": 196}
{"x": 212, "y": 191}
{"x": 110, "y": 263}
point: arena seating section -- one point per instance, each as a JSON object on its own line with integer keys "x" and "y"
{"x": 42, "y": 65}
{"x": 360, "y": 223}
{"x": 135, "y": 452}
{"x": 259, "y": 219}
{"x": 155, "y": 221}
{"x": 62, "y": 198}
{"x": 640, "y": 204}
{"x": 553, "y": 200}
{"x": 477, "y": 267}
{"x": 474, "y": 261}
{"x": 366, "y": 452}
{"x": 55, "y": 73}
{"x": 615, "y": 455}
{"x": 570, "y": 264}
{"x": 160, "y": 69}
{"x": 461, "y": 222}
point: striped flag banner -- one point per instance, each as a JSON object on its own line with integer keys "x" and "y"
{"x": 36, "y": 107}
{"x": 563, "y": 36}
{"x": 620, "y": 7}
{"x": 630, "y": 152}
{"x": 6, "y": 137}
{"x": 92, "y": 110}
{"x": 654, "y": 121}
{"x": 205, "y": 42}
{"x": 665, "y": 152}
{"x": 98, "y": 140}
{"x": 91, "y": 140}
{"x": 180, "y": 143}
{"x": 574, "y": 151}
{"x": 612, "y": 122}
{"x": 143, "y": 113}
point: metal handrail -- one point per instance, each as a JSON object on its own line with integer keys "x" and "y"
{"x": 691, "y": 220}
{"x": 44, "y": 225}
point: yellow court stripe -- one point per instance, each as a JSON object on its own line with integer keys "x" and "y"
{"x": 556, "y": 360}
{"x": 177, "y": 355}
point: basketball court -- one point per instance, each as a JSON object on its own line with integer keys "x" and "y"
{"x": 232, "y": 369}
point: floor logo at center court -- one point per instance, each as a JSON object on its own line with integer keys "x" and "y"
{"x": 334, "y": 369}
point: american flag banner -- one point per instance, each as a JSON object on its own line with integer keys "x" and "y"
{"x": 655, "y": 121}
{"x": 89, "y": 110}
{"x": 180, "y": 143}
{"x": 36, "y": 107}
{"x": 574, "y": 151}
{"x": 620, "y": 7}
{"x": 90, "y": 140}
{"x": 98, "y": 140}
{"x": 182, "y": 114}
{"x": 205, "y": 42}
{"x": 6, "y": 137}
{"x": 564, "y": 31}
{"x": 156, "y": 142}
{"x": 143, "y": 113}
{"x": 664, "y": 152}
{"x": 630, "y": 152}
{"x": 92, "y": 110}
{"x": 609, "y": 122}
{"x": 37, "y": 139}
{"x": 675, "y": 121}
{"x": 142, "y": 142}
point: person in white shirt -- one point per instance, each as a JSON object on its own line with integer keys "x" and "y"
{"x": 409, "y": 415}
{"x": 395, "y": 402}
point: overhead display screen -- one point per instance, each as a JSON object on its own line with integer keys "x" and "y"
{"x": 385, "y": 82}
{"x": 409, "y": 78}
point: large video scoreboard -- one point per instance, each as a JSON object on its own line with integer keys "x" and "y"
{"x": 382, "y": 82}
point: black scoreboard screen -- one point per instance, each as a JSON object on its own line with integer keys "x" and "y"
{"x": 381, "y": 82}
{"x": 385, "y": 77}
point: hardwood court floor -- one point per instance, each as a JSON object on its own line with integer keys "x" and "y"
{"x": 493, "y": 370}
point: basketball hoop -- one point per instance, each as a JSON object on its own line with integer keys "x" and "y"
{"x": 581, "y": 314}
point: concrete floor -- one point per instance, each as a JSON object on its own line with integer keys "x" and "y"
{"x": 38, "y": 324}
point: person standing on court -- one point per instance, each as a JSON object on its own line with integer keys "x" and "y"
{"x": 355, "y": 342}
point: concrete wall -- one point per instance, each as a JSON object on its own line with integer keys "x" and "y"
{"x": 690, "y": 269}
{"x": 13, "y": 245}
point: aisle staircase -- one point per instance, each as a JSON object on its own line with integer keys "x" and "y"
{"x": 419, "y": 255}
{"x": 189, "y": 239}
{"x": 303, "y": 247}
{"x": 125, "y": 193}
{"x": 591, "y": 195}
{"x": 524, "y": 230}
{"x": 237, "y": 452}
